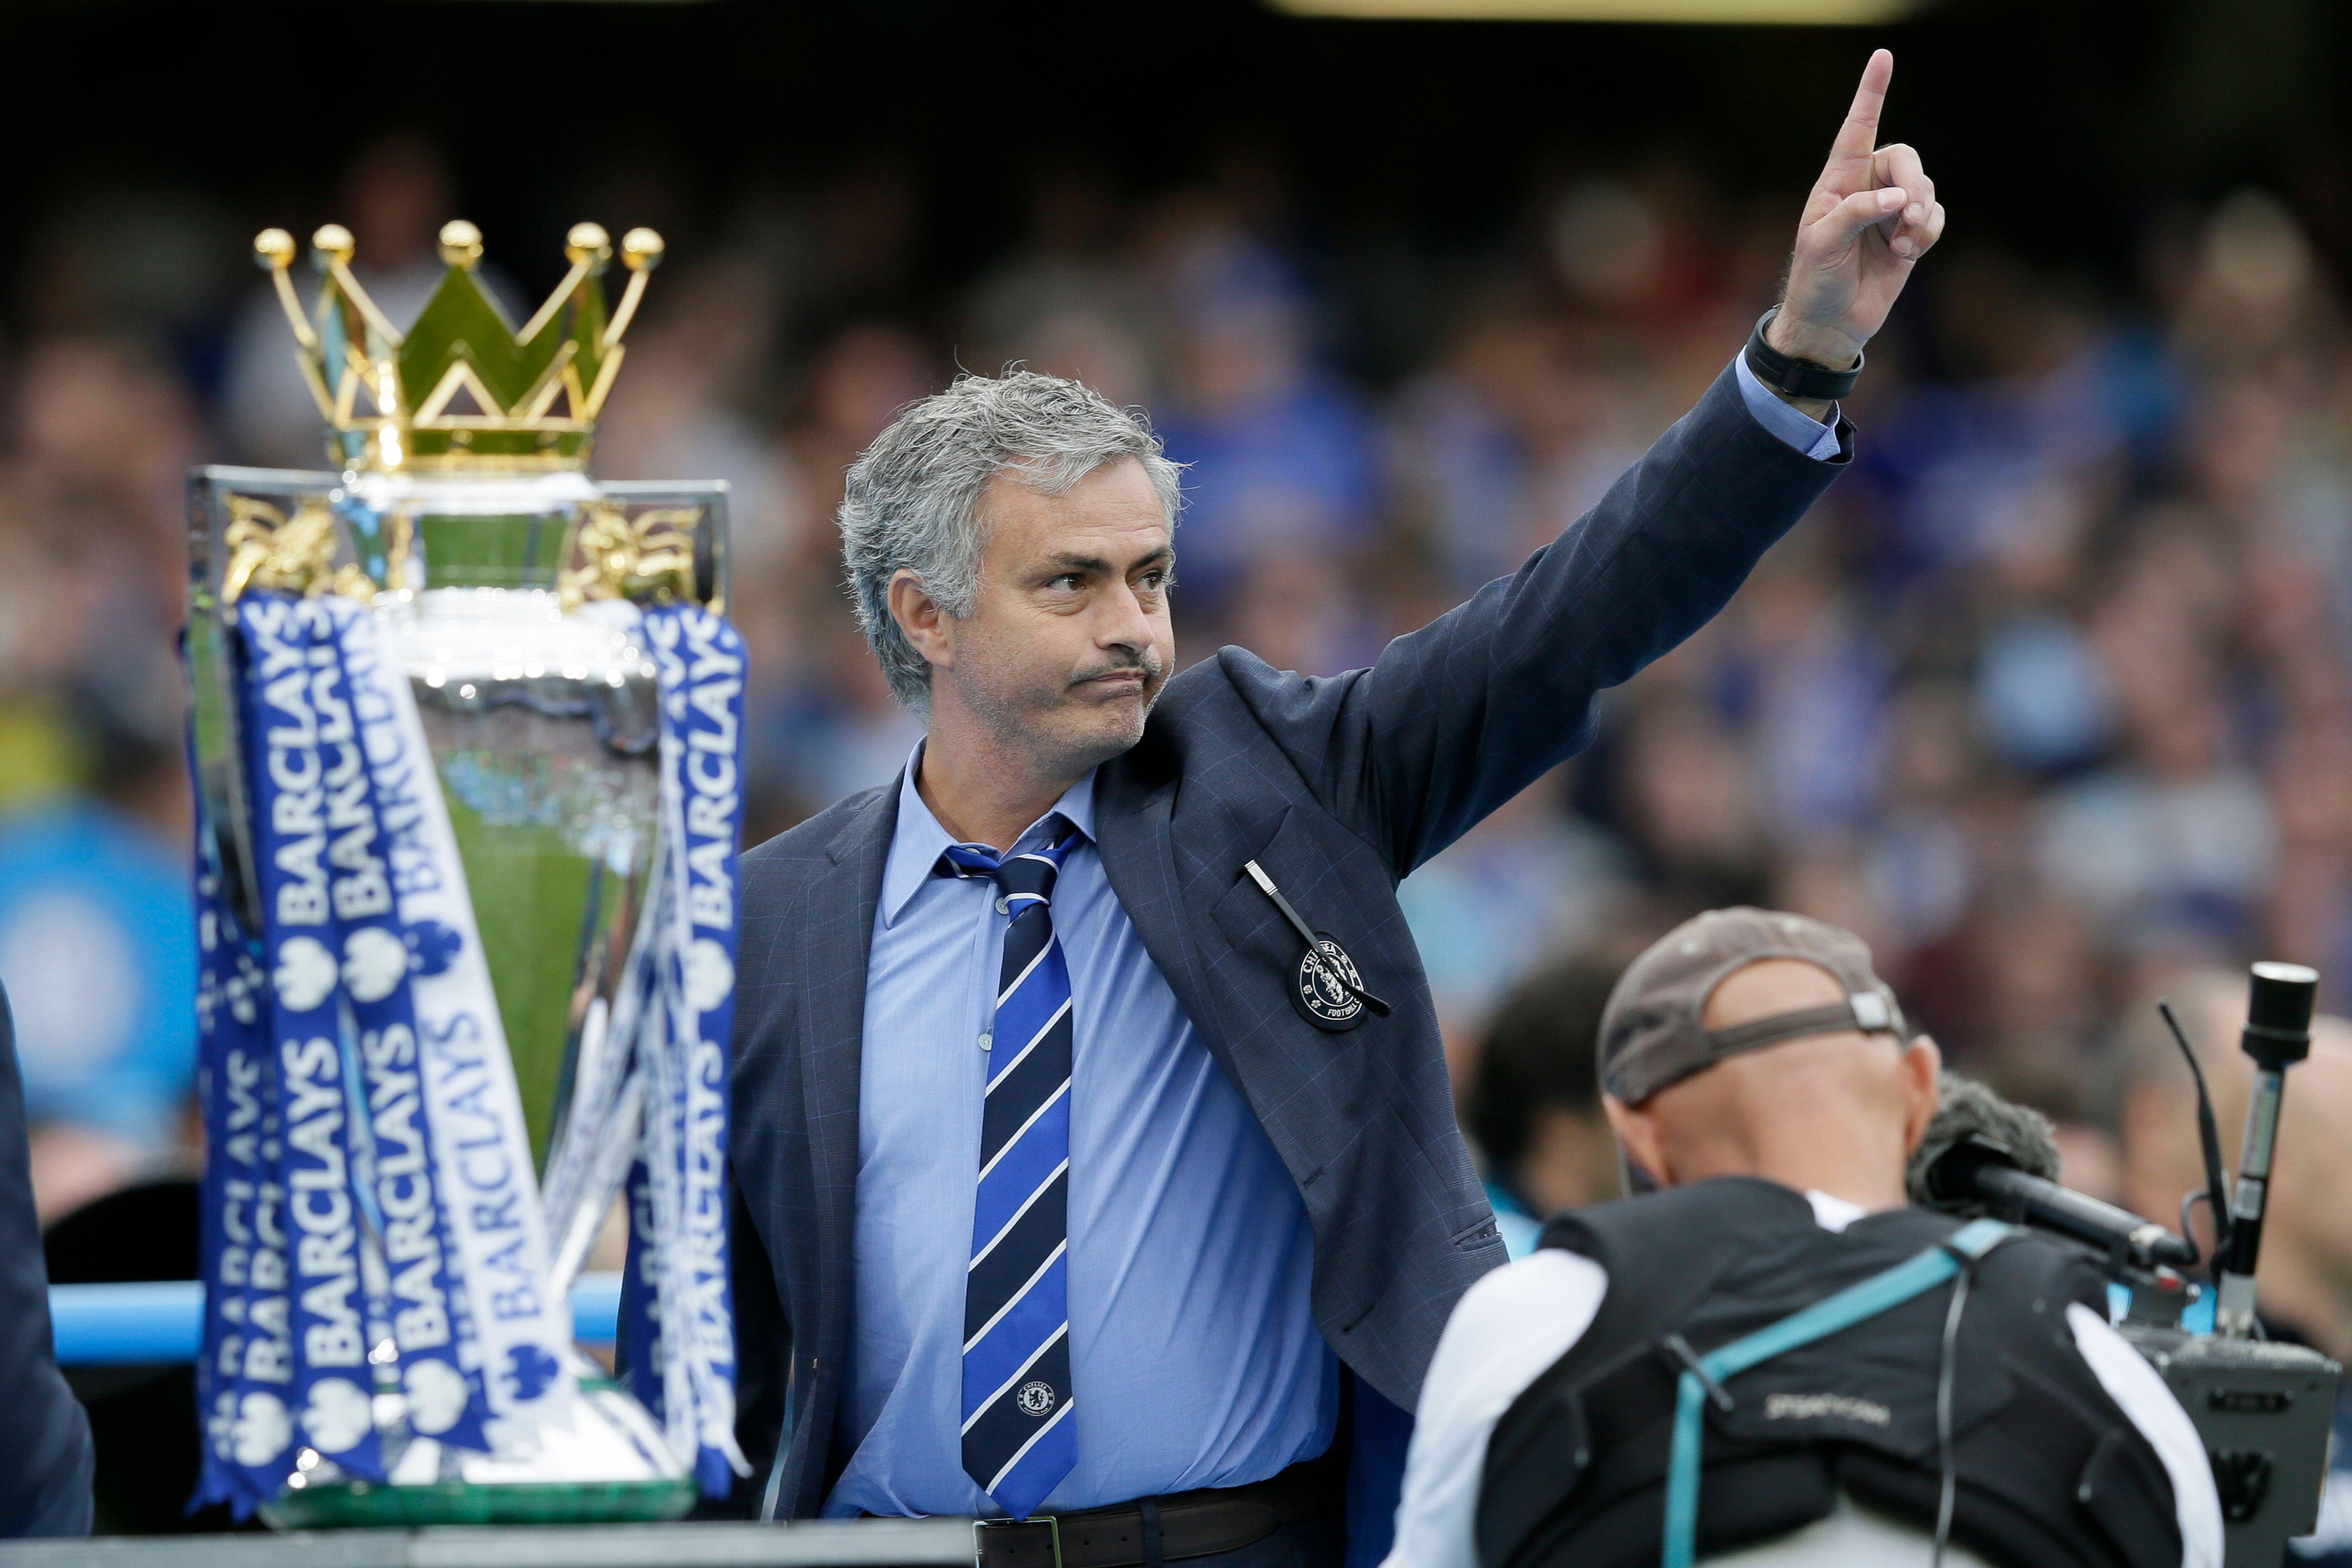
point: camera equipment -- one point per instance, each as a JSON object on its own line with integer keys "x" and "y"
{"x": 1982, "y": 1156}
{"x": 1978, "y": 1171}
{"x": 2263, "y": 1409}
{"x": 2277, "y": 1036}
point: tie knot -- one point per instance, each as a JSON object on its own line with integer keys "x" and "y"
{"x": 1026, "y": 875}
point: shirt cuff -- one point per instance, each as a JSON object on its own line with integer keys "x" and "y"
{"x": 1798, "y": 428}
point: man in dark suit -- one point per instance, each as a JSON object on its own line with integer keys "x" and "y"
{"x": 1095, "y": 1161}
{"x": 45, "y": 1452}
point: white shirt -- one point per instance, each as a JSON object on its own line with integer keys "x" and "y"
{"x": 1519, "y": 1320}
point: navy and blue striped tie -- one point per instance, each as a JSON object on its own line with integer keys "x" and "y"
{"x": 1018, "y": 1437}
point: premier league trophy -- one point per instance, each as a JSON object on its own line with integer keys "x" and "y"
{"x": 468, "y": 742}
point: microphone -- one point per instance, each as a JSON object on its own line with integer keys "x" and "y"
{"x": 1983, "y": 1155}
{"x": 2277, "y": 1036}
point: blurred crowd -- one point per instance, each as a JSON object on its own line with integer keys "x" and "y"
{"x": 2048, "y": 701}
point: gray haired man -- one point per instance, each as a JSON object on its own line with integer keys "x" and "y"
{"x": 1097, "y": 1173}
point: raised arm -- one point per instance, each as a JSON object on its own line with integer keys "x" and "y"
{"x": 1870, "y": 216}
{"x": 1455, "y": 719}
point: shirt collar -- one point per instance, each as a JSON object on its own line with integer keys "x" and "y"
{"x": 919, "y": 839}
{"x": 1831, "y": 1212}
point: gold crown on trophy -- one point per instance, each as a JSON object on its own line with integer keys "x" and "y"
{"x": 461, "y": 388}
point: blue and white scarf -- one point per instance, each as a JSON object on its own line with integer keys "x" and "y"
{"x": 302, "y": 740}
{"x": 231, "y": 1009}
{"x": 412, "y": 1256}
{"x": 495, "y": 1247}
{"x": 678, "y": 1319}
{"x": 424, "y": 1305}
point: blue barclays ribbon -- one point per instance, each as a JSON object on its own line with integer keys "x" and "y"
{"x": 677, "y": 1316}
{"x": 637, "y": 1347}
{"x": 259, "y": 1418}
{"x": 322, "y": 1248}
{"x": 212, "y": 1484}
{"x": 261, "y": 1423}
{"x": 305, "y": 743}
{"x": 422, "y": 1308}
{"x": 507, "y": 1320}
{"x": 655, "y": 1362}
{"x": 250, "y": 1424}
{"x": 230, "y": 1047}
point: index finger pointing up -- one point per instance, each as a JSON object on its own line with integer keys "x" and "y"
{"x": 1858, "y": 137}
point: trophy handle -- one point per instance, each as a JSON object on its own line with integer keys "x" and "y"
{"x": 712, "y": 555}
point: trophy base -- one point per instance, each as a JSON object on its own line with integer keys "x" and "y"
{"x": 347, "y": 1505}
{"x": 606, "y": 1464}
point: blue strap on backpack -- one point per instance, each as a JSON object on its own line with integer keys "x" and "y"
{"x": 1703, "y": 1377}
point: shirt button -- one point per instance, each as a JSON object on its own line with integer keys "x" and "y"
{"x": 987, "y": 1041}
{"x": 1003, "y": 905}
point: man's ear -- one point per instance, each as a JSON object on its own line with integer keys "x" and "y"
{"x": 923, "y": 620}
{"x": 1637, "y": 1134}
{"x": 1922, "y": 1079}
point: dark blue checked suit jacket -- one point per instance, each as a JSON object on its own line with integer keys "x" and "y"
{"x": 1337, "y": 787}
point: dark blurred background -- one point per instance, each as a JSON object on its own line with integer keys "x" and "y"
{"x": 2049, "y": 700}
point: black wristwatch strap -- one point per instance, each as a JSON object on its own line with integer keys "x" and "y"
{"x": 1797, "y": 377}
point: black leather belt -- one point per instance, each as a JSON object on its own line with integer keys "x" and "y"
{"x": 1157, "y": 1530}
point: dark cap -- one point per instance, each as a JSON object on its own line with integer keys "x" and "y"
{"x": 1651, "y": 1035}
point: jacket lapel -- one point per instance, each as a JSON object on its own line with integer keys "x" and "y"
{"x": 1138, "y": 855}
{"x": 838, "y": 904}
{"x": 835, "y": 940}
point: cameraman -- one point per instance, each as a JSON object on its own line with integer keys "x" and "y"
{"x": 1759, "y": 1074}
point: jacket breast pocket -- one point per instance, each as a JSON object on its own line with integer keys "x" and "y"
{"x": 1294, "y": 918}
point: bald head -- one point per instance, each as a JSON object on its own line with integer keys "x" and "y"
{"x": 1837, "y": 1112}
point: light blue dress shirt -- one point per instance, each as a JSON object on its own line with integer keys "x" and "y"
{"x": 1194, "y": 1356}
{"x": 1813, "y": 437}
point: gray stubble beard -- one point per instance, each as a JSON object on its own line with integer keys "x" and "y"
{"x": 1005, "y": 721}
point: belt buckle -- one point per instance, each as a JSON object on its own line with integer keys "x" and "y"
{"x": 982, "y": 1528}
